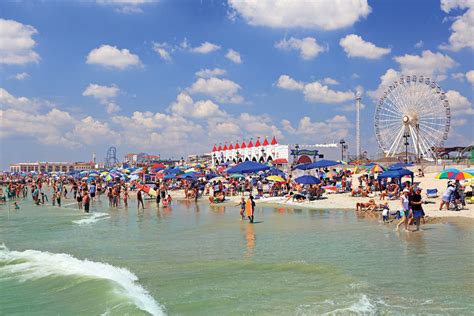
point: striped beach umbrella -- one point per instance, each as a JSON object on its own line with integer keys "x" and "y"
{"x": 377, "y": 169}
{"x": 462, "y": 175}
{"x": 446, "y": 174}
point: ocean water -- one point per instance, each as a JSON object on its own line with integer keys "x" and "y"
{"x": 194, "y": 259}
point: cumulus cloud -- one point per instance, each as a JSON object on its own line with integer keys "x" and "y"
{"x": 314, "y": 91}
{"x": 233, "y": 56}
{"x": 386, "y": 80}
{"x": 459, "y": 76}
{"x": 461, "y": 30}
{"x": 323, "y": 14}
{"x": 288, "y": 83}
{"x": 470, "y": 76}
{"x": 9, "y": 100}
{"x": 324, "y": 131}
{"x": 222, "y": 90}
{"x": 113, "y": 57}
{"x": 330, "y": 81}
{"x": 429, "y": 64}
{"x": 20, "y": 76}
{"x": 355, "y": 46}
{"x": 205, "y": 48}
{"x": 161, "y": 50}
{"x": 16, "y": 43}
{"x": 186, "y": 107}
{"x": 308, "y": 47}
{"x": 207, "y": 73}
{"x": 459, "y": 104}
{"x": 105, "y": 95}
{"x": 419, "y": 44}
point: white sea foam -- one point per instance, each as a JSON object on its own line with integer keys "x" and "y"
{"x": 362, "y": 307}
{"x": 92, "y": 218}
{"x": 32, "y": 264}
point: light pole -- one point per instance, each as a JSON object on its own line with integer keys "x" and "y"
{"x": 295, "y": 153}
{"x": 406, "y": 136}
{"x": 342, "y": 142}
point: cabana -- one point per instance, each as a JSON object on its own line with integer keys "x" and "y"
{"x": 396, "y": 173}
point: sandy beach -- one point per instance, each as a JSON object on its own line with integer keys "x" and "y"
{"x": 333, "y": 201}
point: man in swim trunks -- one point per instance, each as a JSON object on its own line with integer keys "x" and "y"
{"x": 416, "y": 207}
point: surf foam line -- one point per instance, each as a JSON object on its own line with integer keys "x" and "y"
{"x": 32, "y": 265}
{"x": 93, "y": 218}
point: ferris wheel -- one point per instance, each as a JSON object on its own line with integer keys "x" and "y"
{"x": 413, "y": 115}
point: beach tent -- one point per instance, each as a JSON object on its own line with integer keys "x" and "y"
{"x": 321, "y": 164}
{"x": 248, "y": 167}
{"x": 397, "y": 173}
{"x": 307, "y": 179}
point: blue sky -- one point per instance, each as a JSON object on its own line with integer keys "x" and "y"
{"x": 80, "y": 76}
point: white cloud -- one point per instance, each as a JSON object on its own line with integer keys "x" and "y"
{"x": 315, "y": 91}
{"x": 288, "y": 83}
{"x": 350, "y": 107}
{"x": 104, "y": 94}
{"x": 459, "y": 104}
{"x": 207, "y": 73}
{"x": 429, "y": 64}
{"x": 112, "y": 57}
{"x": 186, "y": 107}
{"x": 205, "y": 48}
{"x": 233, "y": 56}
{"x": 161, "y": 50}
{"x": 461, "y": 30}
{"x": 325, "y": 131}
{"x": 20, "y": 76}
{"x": 127, "y": 6}
{"x": 330, "y": 81}
{"x": 386, "y": 80}
{"x": 9, "y": 100}
{"x": 470, "y": 76}
{"x": 419, "y": 44}
{"x": 258, "y": 125}
{"x": 322, "y": 14}
{"x": 222, "y": 90}
{"x": 355, "y": 46}
{"x": 459, "y": 76}
{"x": 308, "y": 47}
{"x": 16, "y": 43}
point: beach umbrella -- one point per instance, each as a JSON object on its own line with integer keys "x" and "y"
{"x": 222, "y": 179}
{"x": 330, "y": 174}
{"x": 158, "y": 166}
{"x": 463, "y": 175}
{"x": 190, "y": 170}
{"x": 108, "y": 177}
{"x": 237, "y": 175}
{"x": 248, "y": 167}
{"x": 104, "y": 173}
{"x": 377, "y": 168}
{"x": 446, "y": 174}
{"x": 170, "y": 176}
{"x": 342, "y": 162}
{"x": 211, "y": 175}
{"x": 275, "y": 178}
{"x": 307, "y": 179}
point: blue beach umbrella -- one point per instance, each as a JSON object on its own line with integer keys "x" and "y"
{"x": 307, "y": 179}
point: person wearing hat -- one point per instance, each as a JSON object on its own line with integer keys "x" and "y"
{"x": 416, "y": 207}
{"x": 405, "y": 211}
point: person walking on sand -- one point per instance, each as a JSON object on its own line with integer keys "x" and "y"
{"x": 250, "y": 208}
{"x": 405, "y": 210}
{"x": 140, "y": 199}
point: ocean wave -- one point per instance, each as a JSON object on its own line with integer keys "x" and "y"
{"x": 93, "y": 218}
{"x": 32, "y": 265}
{"x": 361, "y": 307}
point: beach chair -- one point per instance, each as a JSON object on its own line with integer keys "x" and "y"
{"x": 431, "y": 193}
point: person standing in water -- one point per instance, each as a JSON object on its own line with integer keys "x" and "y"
{"x": 250, "y": 208}
{"x": 242, "y": 207}
{"x": 86, "y": 200}
{"x": 405, "y": 210}
{"x": 125, "y": 198}
{"x": 416, "y": 207}
{"x": 140, "y": 199}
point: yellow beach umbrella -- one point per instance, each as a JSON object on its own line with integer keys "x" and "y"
{"x": 275, "y": 178}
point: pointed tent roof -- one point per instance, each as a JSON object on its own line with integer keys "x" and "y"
{"x": 257, "y": 143}
{"x": 231, "y": 147}
{"x": 243, "y": 145}
{"x": 274, "y": 141}
{"x": 219, "y": 148}
{"x": 225, "y": 147}
{"x": 250, "y": 144}
{"x": 237, "y": 145}
{"x": 265, "y": 142}
{"x": 214, "y": 148}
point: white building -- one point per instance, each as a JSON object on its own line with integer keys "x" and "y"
{"x": 272, "y": 151}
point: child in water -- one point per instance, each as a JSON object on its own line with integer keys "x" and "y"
{"x": 15, "y": 206}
